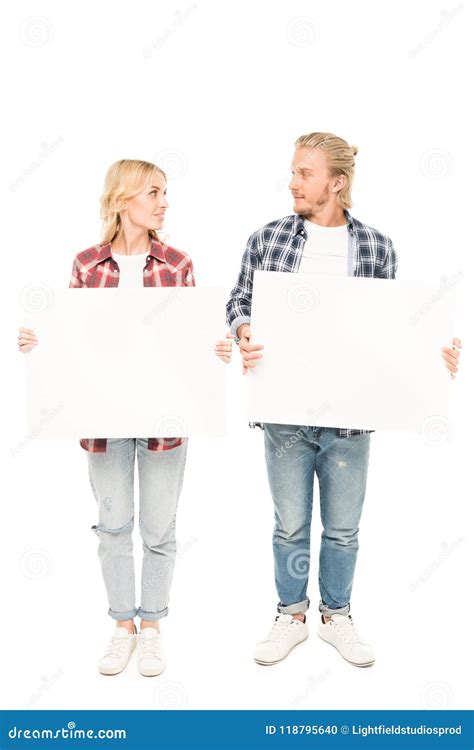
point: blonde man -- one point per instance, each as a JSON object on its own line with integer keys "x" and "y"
{"x": 319, "y": 237}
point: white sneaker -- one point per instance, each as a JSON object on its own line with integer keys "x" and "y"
{"x": 340, "y": 632}
{"x": 150, "y": 656}
{"x": 117, "y": 652}
{"x": 285, "y": 634}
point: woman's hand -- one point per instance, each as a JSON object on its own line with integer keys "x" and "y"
{"x": 26, "y": 339}
{"x": 223, "y": 349}
{"x": 451, "y": 356}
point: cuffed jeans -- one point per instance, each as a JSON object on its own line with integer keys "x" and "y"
{"x": 293, "y": 455}
{"x": 160, "y": 475}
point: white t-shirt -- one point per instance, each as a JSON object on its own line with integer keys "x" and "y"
{"x": 131, "y": 269}
{"x": 325, "y": 251}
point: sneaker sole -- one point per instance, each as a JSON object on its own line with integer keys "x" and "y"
{"x": 354, "y": 663}
{"x": 152, "y": 674}
{"x": 111, "y": 674}
{"x": 269, "y": 663}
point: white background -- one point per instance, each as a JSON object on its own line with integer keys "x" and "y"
{"x": 217, "y": 95}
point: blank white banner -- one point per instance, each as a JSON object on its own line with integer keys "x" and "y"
{"x": 127, "y": 363}
{"x": 350, "y": 352}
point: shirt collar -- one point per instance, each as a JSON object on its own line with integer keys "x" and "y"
{"x": 298, "y": 223}
{"x": 156, "y": 250}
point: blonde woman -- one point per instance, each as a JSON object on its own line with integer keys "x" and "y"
{"x": 133, "y": 207}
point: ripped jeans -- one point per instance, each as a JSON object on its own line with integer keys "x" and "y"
{"x": 294, "y": 455}
{"x": 160, "y": 476}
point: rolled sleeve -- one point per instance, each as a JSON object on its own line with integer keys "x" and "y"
{"x": 239, "y": 306}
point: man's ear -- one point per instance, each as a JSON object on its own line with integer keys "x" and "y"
{"x": 339, "y": 183}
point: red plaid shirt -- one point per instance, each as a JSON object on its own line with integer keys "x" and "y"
{"x": 96, "y": 268}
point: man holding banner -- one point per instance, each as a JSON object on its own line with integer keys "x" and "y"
{"x": 321, "y": 237}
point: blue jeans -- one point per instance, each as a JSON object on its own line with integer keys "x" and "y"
{"x": 294, "y": 454}
{"x": 160, "y": 476}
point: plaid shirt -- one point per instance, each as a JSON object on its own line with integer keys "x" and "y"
{"x": 165, "y": 266}
{"x": 278, "y": 246}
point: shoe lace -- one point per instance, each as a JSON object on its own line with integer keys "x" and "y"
{"x": 346, "y": 629}
{"x": 116, "y": 646}
{"x": 149, "y": 647}
{"x": 279, "y": 630}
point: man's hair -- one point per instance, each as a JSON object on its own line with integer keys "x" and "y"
{"x": 340, "y": 159}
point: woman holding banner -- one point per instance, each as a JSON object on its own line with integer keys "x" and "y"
{"x": 133, "y": 207}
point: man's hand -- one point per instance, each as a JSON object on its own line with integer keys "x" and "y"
{"x": 451, "y": 356}
{"x": 248, "y": 351}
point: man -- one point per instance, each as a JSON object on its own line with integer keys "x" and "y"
{"x": 320, "y": 237}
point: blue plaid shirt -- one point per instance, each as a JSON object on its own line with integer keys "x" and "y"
{"x": 278, "y": 246}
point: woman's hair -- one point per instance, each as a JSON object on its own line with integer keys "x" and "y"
{"x": 340, "y": 159}
{"x": 124, "y": 179}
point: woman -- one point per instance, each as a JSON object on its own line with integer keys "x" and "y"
{"x": 133, "y": 207}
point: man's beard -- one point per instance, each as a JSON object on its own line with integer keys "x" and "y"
{"x": 315, "y": 207}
